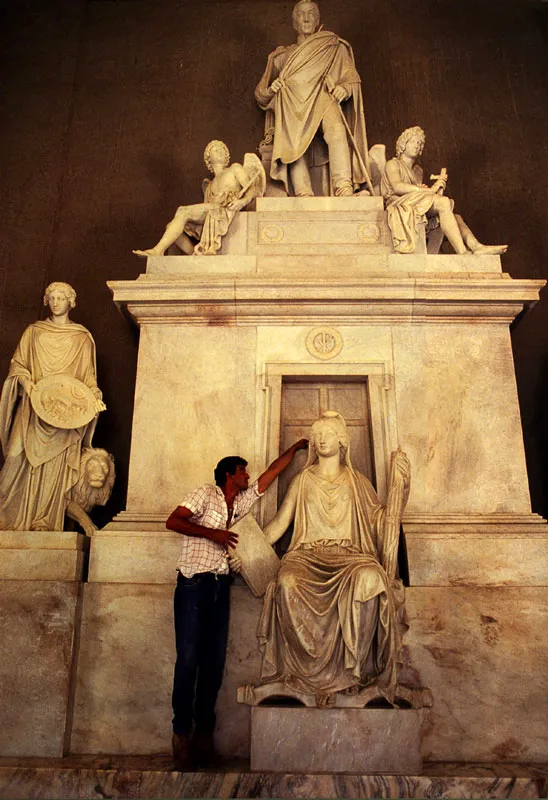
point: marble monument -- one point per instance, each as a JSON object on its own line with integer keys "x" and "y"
{"x": 309, "y": 306}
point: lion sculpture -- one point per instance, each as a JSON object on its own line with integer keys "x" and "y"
{"x": 93, "y": 487}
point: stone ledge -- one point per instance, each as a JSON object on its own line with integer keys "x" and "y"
{"x": 479, "y": 550}
{"x": 41, "y": 555}
{"x": 134, "y": 556}
{"x": 217, "y": 300}
{"x": 41, "y": 540}
{"x": 143, "y": 777}
{"x": 355, "y": 261}
{"x": 354, "y": 203}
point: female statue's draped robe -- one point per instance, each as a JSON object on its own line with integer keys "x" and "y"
{"x": 329, "y": 620}
{"x": 41, "y": 461}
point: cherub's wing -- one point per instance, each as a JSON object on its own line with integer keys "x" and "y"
{"x": 256, "y": 175}
{"x": 377, "y": 161}
{"x": 205, "y": 187}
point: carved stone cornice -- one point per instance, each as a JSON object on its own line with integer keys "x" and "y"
{"x": 258, "y": 300}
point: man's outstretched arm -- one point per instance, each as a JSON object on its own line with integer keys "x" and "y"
{"x": 279, "y": 464}
{"x": 179, "y": 521}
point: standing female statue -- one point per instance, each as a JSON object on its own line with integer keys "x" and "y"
{"x": 42, "y": 460}
{"x": 329, "y": 622}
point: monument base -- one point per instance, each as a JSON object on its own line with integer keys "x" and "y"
{"x": 40, "y": 573}
{"x": 370, "y": 740}
{"x": 142, "y": 777}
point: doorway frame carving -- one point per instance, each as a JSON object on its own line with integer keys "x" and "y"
{"x": 382, "y": 405}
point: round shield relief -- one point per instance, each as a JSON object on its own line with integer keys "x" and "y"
{"x": 63, "y": 401}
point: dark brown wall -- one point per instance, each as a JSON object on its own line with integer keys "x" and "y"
{"x": 108, "y": 105}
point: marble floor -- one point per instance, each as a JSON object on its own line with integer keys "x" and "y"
{"x": 113, "y": 777}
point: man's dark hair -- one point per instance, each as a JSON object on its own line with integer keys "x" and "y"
{"x": 227, "y": 464}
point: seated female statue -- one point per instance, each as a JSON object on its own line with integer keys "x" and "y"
{"x": 329, "y": 622}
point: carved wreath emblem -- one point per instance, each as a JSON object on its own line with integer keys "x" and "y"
{"x": 324, "y": 343}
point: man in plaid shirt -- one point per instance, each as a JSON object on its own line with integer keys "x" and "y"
{"x": 202, "y": 596}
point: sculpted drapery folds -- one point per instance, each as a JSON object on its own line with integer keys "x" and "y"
{"x": 330, "y": 621}
{"x": 42, "y": 461}
{"x": 199, "y": 229}
{"x": 410, "y": 202}
{"x": 300, "y": 90}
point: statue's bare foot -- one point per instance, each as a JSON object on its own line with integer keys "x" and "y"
{"x": 490, "y": 250}
{"x": 145, "y": 253}
{"x": 39, "y": 526}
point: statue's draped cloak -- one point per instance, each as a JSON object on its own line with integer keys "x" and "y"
{"x": 306, "y": 70}
{"x": 42, "y": 461}
{"x": 329, "y": 622}
{"x": 217, "y": 221}
{"x": 406, "y": 211}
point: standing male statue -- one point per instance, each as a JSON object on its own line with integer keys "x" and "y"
{"x": 311, "y": 90}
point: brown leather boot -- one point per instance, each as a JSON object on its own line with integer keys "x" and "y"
{"x": 203, "y": 749}
{"x": 181, "y": 753}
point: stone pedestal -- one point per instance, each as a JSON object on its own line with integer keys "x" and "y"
{"x": 308, "y": 289}
{"x": 372, "y": 740}
{"x": 39, "y": 606}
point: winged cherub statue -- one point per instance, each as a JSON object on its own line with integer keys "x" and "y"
{"x": 199, "y": 229}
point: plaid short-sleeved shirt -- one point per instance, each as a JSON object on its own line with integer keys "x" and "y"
{"x": 209, "y": 508}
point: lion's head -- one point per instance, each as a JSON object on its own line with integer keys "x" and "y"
{"x": 95, "y": 480}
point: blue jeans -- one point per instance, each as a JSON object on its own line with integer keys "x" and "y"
{"x": 201, "y": 609}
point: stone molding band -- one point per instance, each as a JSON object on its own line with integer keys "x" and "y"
{"x": 246, "y": 301}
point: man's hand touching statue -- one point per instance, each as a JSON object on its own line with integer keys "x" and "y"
{"x": 227, "y": 539}
{"x": 235, "y": 564}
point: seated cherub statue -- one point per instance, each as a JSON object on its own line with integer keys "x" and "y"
{"x": 409, "y": 201}
{"x": 330, "y": 622}
{"x": 198, "y": 229}
{"x": 93, "y": 487}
